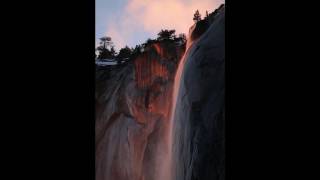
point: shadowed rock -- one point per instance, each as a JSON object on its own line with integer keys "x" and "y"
{"x": 198, "y": 129}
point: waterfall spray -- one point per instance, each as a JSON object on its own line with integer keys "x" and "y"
{"x": 167, "y": 169}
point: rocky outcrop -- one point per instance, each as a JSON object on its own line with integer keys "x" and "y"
{"x": 198, "y": 127}
{"x": 133, "y": 104}
{"x": 136, "y": 131}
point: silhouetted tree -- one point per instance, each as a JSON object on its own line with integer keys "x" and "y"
{"x": 104, "y": 52}
{"x": 166, "y": 34}
{"x": 197, "y": 16}
{"x": 124, "y": 53}
{"x": 150, "y": 41}
{"x": 182, "y": 37}
{"x": 113, "y": 52}
{"x": 136, "y": 51}
{"x": 106, "y": 41}
{"x": 207, "y": 14}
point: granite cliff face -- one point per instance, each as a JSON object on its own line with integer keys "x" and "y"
{"x": 133, "y": 104}
{"x": 145, "y": 131}
{"x": 198, "y": 121}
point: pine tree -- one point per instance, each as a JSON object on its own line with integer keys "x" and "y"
{"x": 124, "y": 53}
{"x": 103, "y": 49}
{"x": 197, "y": 16}
{"x": 105, "y": 42}
{"x": 112, "y": 52}
{"x": 182, "y": 38}
{"x": 166, "y": 34}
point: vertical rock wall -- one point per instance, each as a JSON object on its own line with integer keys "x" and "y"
{"x": 198, "y": 127}
{"x": 132, "y": 108}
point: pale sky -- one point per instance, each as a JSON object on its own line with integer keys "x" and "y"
{"x": 132, "y": 22}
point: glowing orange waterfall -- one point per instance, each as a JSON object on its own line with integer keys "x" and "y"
{"x": 166, "y": 169}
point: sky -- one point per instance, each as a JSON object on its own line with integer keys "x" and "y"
{"x": 132, "y": 22}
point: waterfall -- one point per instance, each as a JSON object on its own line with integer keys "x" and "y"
{"x": 167, "y": 169}
{"x": 159, "y": 120}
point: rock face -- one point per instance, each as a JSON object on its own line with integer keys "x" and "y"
{"x": 133, "y": 104}
{"x": 138, "y": 137}
{"x": 198, "y": 127}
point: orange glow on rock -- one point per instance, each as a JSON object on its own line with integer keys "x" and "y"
{"x": 149, "y": 68}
